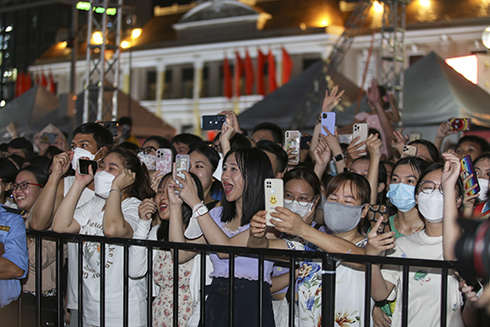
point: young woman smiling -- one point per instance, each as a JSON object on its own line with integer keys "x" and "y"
{"x": 244, "y": 172}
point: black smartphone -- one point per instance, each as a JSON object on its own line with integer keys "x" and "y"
{"x": 111, "y": 126}
{"x": 83, "y": 166}
{"x": 212, "y": 122}
{"x": 304, "y": 142}
{"x": 49, "y": 138}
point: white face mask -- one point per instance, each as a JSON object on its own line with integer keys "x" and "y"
{"x": 431, "y": 206}
{"x": 148, "y": 159}
{"x": 295, "y": 207}
{"x": 103, "y": 183}
{"x": 79, "y": 153}
{"x": 483, "y": 196}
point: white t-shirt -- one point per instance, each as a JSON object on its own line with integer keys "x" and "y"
{"x": 424, "y": 287}
{"x": 90, "y": 217}
{"x": 72, "y": 287}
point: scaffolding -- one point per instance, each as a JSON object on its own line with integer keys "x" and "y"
{"x": 392, "y": 55}
{"x": 323, "y": 80}
{"x": 102, "y": 59}
{"x": 393, "y": 48}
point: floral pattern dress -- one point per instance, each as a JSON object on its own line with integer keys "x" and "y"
{"x": 163, "y": 303}
{"x": 349, "y": 307}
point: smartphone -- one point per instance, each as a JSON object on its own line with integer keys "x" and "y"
{"x": 212, "y": 122}
{"x": 360, "y": 130}
{"x": 49, "y": 137}
{"x": 164, "y": 161}
{"x": 415, "y": 136}
{"x": 181, "y": 164}
{"x": 274, "y": 197}
{"x": 467, "y": 169}
{"x": 328, "y": 121}
{"x": 83, "y": 165}
{"x": 409, "y": 151}
{"x": 376, "y": 212}
{"x": 293, "y": 139}
{"x": 460, "y": 124}
{"x": 111, "y": 126}
{"x": 305, "y": 139}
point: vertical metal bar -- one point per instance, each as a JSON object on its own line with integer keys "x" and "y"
{"x": 102, "y": 284}
{"x": 406, "y": 271}
{"x": 38, "y": 279}
{"x": 80, "y": 283}
{"x": 231, "y": 287}
{"x": 175, "y": 313}
{"x": 367, "y": 295}
{"x": 444, "y": 283}
{"x": 328, "y": 292}
{"x": 261, "y": 290}
{"x": 149, "y": 281}
{"x": 74, "y": 41}
{"x": 86, "y": 92}
{"x": 126, "y": 283}
{"x": 203, "y": 289}
{"x": 59, "y": 273}
{"x": 103, "y": 48}
{"x": 291, "y": 289}
{"x": 117, "y": 55}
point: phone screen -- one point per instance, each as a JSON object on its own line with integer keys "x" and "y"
{"x": 83, "y": 165}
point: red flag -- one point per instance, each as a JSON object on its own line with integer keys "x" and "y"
{"x": 260, "y": 73}
{"x": 238, "y": 73}
{"x": 18, "y": 84}
{"x": 249, "y": 74}
{"x": 287, "y": 66}
{"x": 227, "y": 83}
{"x": 27, "y": 82}
{"x": 272, "y": 72}
{"x": 51, "y": 83}
{"x": 44, "y": 81}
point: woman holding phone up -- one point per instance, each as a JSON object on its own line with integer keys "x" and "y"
{"x": 244, "y": 172}
{"x": 120, "y": 183}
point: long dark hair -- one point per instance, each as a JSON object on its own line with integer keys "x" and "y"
{"x": 162, "y": 232}
{"x": 255, "y": 167}
{"x": 141, "y": 188}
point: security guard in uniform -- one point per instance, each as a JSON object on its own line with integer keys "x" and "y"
{"x": 13, "y": 262}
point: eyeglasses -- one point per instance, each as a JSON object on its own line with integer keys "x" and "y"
{"x": 147, "y": 150}
{"x": 22, "y": 186}
{"x": 428, "y": 187}
{"x": 303, "y": 200}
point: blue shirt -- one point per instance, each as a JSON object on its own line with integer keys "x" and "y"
{"x": 13, "y": 238}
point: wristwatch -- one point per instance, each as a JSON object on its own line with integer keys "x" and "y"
{"x": 338, "y": 157}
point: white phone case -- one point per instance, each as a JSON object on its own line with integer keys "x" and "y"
{"x": 360, "y": 130}
{"x": 274, "y": 197}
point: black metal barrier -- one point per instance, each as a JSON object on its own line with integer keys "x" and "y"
{"x": 328, "y": 260}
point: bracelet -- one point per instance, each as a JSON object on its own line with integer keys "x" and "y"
{"x": 113, "y": 189}
{"x": 197, "y": 206}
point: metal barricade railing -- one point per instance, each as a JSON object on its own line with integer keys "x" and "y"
{"x": 329, "y": 263}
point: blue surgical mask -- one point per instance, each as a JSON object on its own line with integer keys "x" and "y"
{"x": 402, "y": 196}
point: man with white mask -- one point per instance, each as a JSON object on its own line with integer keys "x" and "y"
{"x": 90, "y": 141}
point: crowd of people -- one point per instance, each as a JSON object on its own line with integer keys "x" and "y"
{"x": 367, "y": 197}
